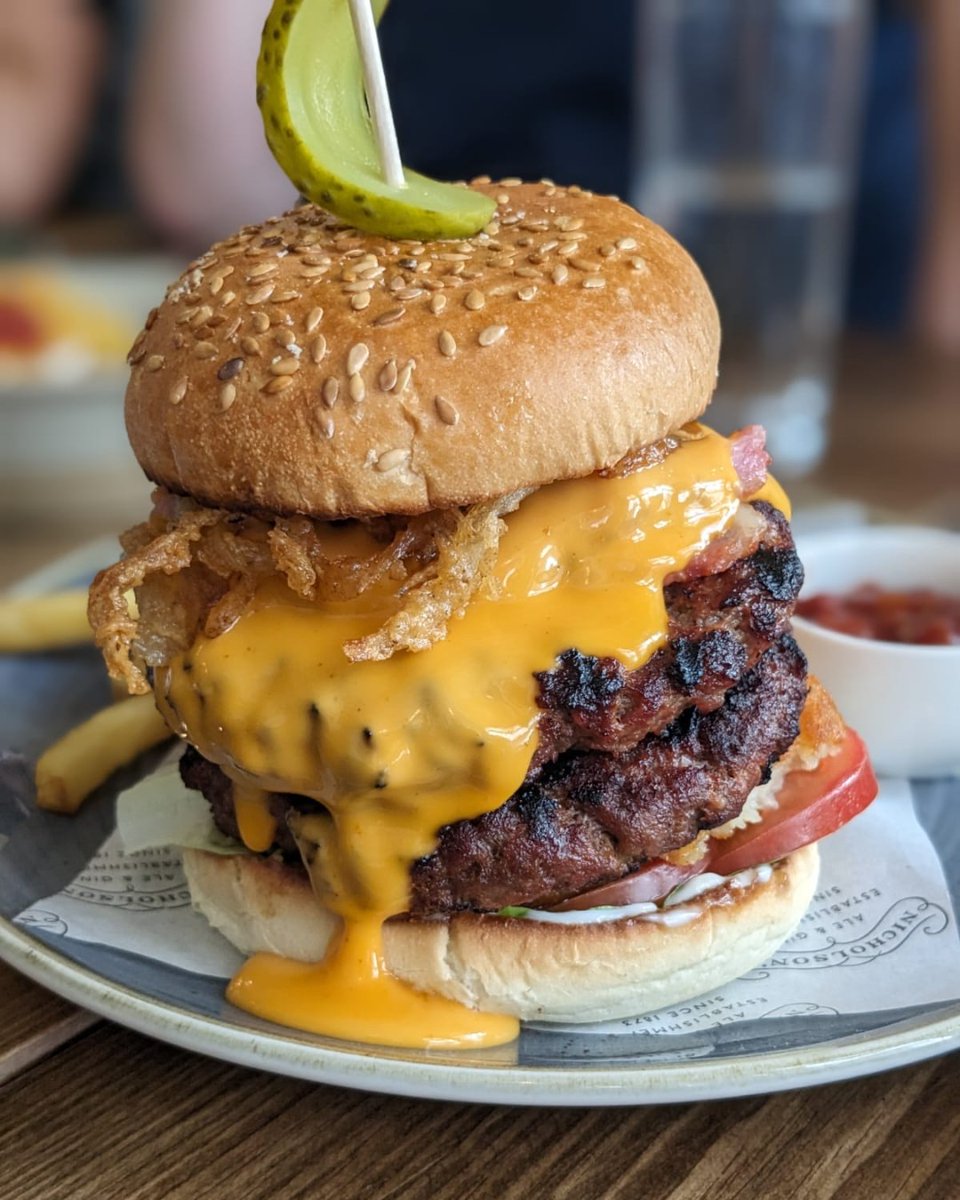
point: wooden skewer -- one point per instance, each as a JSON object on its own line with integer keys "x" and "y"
{"x": 375, "y": 83}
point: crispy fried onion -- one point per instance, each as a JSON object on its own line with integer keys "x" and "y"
{"x": 195, "y": 569}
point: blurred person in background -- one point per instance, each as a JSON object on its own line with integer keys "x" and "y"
{"x": 51, "y": 54}
{"x": 177, "y": 124}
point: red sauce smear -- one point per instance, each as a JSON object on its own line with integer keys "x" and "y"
{"x": 919, "y": 617}
{"x": 18, "y": 328}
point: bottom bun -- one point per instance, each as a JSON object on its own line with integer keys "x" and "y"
{"x": 515, "y": 965}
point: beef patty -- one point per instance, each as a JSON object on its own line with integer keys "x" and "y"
{"x": 591, "y": 816}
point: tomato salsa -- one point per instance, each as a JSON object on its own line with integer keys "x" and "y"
{"x": 919, "y": 617}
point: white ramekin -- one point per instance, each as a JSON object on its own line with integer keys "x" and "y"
{"x": 903, "y": 700}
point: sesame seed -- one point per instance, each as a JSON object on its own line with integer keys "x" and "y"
{"x": 205, "y": 350}
{"x": 409, "y": 293}
{"x": 566, "y": 224}
{"x": 250, "y": 345}
{"x": 314, "y": 318}
{"x": 187, "y": 315}
{"x": 627, "y": 243}
{"x": 261, "y": 270}
{"x": 357, "y": 358}
{"x": 359, "y": 285}
{"x": 228, "y": 393}
{"x": 390, "y": 316}
{"x": 445, "y": 411}
{"x": 492, "y": 333}
{"x": 277, "y": 385}
{"x": 318, "y": 348}
{"x": 390, "y": 460}
{"x": 568, "y": 248}
{"x": 227, "y": 299}
{"x": 286, "y": 297}
{"x": 584, "y": 264}
{"x": 154, "y": 363}
{"x": 261, "y": 322}
{"x": 178, "y": 391}
{"x": 325, "y": 425}
{"x": 358, "y": 389}
{"x": 547, "y": 246}
{"x": 316, "y": 260}
{"x": 216, "y": 286}
{"x": 503, "y": 198}
{"x": 261, "y": 293}
{"x": 511, "y": 181}
{"x": 406, "y": 372}
{"x": 447, "y": 343}
{"x": 527, "y": 272}
{"x": 438, "y": 303}
{"x": 230, "y": 369}
{"x": 388, "y": 376}
{"x": 232, "y": 328}
{"x": 330, "y": 391}
{"x": 474, "y": 300}
{"x": 284, "y": 337}
{"x": 594, "y": 281}
{"x": 640, "y": 264}
{"x": 359, "y": 302}
{"x": 502, "y": 260}
{"x": 286, "y": 366}
{"x": 313, "y": 272}
{"x": 527, "y": 293}
{"x": 607, "y": 250}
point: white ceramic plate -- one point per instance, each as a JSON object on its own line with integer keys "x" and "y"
{"x": 546, "y": 1066}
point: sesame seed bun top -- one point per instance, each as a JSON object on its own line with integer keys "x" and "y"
{"x": 303, "y": 367}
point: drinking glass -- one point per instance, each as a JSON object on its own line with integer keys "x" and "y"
{"x": 748, "y": 119}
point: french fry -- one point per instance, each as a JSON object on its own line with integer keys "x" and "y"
{"x": 44, "y": 622}
{"x": 89, "y": 754}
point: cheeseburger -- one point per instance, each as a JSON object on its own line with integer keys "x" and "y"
{"x": 479, "y": 643}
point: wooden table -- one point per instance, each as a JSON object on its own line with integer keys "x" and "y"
{"x": 89, "y": 1110}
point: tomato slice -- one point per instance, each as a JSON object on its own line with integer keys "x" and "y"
{"x": 811, "y": 804}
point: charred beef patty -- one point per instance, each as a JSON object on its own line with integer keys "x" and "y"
{"x": 718, "y": 626}
{"x": 591, "y": 816}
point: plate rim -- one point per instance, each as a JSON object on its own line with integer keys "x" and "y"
{"x": 581, "y": 1084}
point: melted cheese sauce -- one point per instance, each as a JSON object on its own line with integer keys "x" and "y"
{"x": 395, "y": 750}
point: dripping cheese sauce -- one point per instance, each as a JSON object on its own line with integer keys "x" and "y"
{"x": 394, "y": 750}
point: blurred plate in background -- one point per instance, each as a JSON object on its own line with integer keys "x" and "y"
{"x": 65, "y": 328}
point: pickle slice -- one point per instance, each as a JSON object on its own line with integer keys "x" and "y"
{"x": 311, "y": 95}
